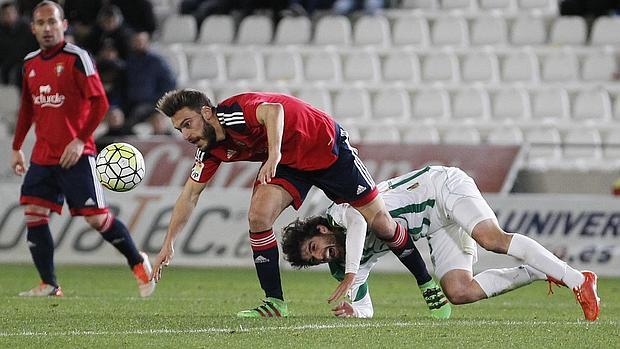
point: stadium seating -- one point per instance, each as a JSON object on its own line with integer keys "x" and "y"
{"x": 401, "y": 66}
{"x": 489, "y": 30}
{"x": 441, "y": 67}
{"x": 332, "y": 30}
{"x": 412, "y": 31}
{"x": 255, "y": 30}
{"x": 419, "y": 134}
{"x": 511, "y": 105}
{"x": 528, "y": 30}
{"x": 179, "y": 29}
{"x": 293, "y": 31}
{"x": 217, "y": 29}
{"x": 504, "y": 68}
{"x": 570, "y": 30}
{"x": 450, "y": 31}
{"x": 605, "y": 31}
{"x": 372, "y": 31}
{"x": 466, "y": 136}
{"x": 506, "y": 135}
{"x": 284, "y": 67}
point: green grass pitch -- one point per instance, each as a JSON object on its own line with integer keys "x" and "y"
{"x": 195, "y": 308}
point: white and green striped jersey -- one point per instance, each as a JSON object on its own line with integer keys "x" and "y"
{"x": 410, "y": 199}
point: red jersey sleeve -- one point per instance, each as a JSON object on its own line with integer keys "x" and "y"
{"x": 204, "y": 167}
{"x": 245, "y": 103}
{"x": 24, "y": 120}
{"x": 90, "y": 84}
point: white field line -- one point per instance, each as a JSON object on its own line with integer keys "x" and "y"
{"x": 309, "y": 327}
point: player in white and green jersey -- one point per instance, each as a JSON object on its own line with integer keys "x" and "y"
{"x": 443, "y": 205}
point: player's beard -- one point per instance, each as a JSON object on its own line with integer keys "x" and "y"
{"x": 340, "y": 245}
{"x": 208, "y": 134}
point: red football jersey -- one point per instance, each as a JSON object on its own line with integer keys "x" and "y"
{"x": 307, "y": 139}
{"x": 56, "y": 96}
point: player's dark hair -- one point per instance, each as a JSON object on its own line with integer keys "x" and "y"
{"x": 175, "y": 100}
{"x": 299, "y": 231}
{"x": 49, "y": 3}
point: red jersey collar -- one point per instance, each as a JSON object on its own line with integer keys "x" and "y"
{"x": 51, "y": 52}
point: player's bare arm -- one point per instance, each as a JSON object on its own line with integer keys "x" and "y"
{"x": 271, "y": 115}
{"x": 356, "y": 234}
{"x": 183, "y": 208}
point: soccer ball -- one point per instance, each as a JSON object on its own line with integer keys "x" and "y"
{"x": 120, "y": 167}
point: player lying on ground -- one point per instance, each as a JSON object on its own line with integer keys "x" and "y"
{"x": 327, "y": 236}
{"x": 443, "y": 205}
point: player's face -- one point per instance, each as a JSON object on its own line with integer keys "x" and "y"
{"x": 48, "y": 27}
{"x": 322, "y": 248}
{"x": 194, "y": 128}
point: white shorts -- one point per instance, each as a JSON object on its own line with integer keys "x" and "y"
{"x": 447, "y": 252}
{"x": 463, "y": 208}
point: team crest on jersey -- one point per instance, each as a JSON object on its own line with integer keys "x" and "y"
{"x": 230, "y": 153}
{"x": 32, "y": 74}
{"x": 60, "y": 67}
{"x": 197, "y": 170}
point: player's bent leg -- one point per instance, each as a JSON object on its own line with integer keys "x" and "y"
{"x": 378, "y": 218}
{"x": 41, "y": 247}
{"x": 268, "y": 201}
{"x": 583, "y": 284}
{"x": 460, "y": 287}
{"x": 115, "y": 232}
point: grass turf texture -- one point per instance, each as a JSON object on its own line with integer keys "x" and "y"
{"x": 196, "y": 308}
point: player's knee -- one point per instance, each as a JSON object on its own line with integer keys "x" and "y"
{"x": 259, "y": 220}
{"x": 383, "y": 225}
{"x": 99, "y": 222}
{"x": 458, "y": 294}
{"x": 491, "y": 237}
{"x": 34, "y": 218}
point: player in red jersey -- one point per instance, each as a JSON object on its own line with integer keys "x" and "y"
{"x": 299, "y": 146}
{"x": 63, "y": 97}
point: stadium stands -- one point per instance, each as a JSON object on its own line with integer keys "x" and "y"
{"x": 506, "y": 70}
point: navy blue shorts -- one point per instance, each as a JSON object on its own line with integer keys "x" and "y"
{"x": 346, "y": 180}
{"x": 49, "y": 186}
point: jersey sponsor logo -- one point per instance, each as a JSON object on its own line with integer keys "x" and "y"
{"x": 45, "y": 89}
{"x": 32, "y": 74}
{"x": 46, "y": 99}
{"x": 197, "y": 170}
{"x": 360, "y": 189}
{"x": 261, "y": 259}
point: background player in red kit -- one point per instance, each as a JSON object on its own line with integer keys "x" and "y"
{"x": 63, "y": 97}
{"x": 299, "y": 146}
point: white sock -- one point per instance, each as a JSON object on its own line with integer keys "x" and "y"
{"x": 497, "y": 281}
{"x": 538, "y": 257}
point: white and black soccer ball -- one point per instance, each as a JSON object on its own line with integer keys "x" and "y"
{"x": 120, "y": 167}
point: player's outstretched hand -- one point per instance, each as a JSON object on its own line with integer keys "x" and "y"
{"x": 72, "y": 153}
{"x": 343, "y": 288}
{"x": 268, "y": 170}
{"x": 163, "y": 259}
{"x": 343, "y": 309}
{"x": 18, "y": 163}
